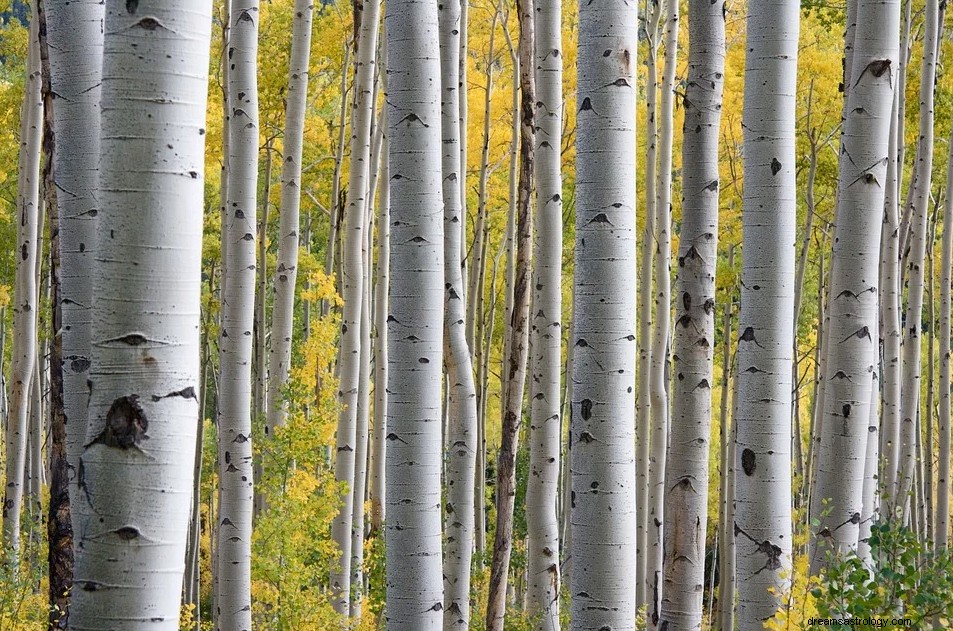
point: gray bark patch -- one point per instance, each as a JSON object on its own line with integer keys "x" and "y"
{"x": 126, "y": 424}
{"x": 748, "y": 462}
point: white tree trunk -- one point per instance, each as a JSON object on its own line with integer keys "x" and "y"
{"x": 75, "y": 43}
{"x": 645, "y": 340}
{"x": 415, "y": 321}
{"x": 659, "y": 378}
{"x": 238, "y": 302}
{"x": 942, "y": 530}
{"x": 542, "y": 485}
{"x": 853, "y": 338}
{"x": 462, "y": 411}
{"x": 282, "y": 315}
{"x": 353, "y": 293}
{"x": 686, "y": 474}
{"x": 604, "y": 322}
{"x": 762, "y": 523}
{"x": 870, "y": 499}
{"x": 910, "y": 399}
{"x": 136, "y": 466}
{"x": 890, "y": 300}
{"x": 23, "y": 363}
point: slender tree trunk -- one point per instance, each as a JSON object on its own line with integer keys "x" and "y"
{"x": 461, "y": 390}
{"x": 261, "y": 304}
{"x": 286, "y": 272}
{"x": 762, "y": 523}
{"x": 726, "y": 483}
{"x": 604, "y": 322}
{"x": 927, "y": 414}
{"x": 361, "y": 438}
{"x": 381, "y": 288}
{"x": 870, "y": 503}
{"x": 542, "y": 486}
{"x": 353, "y": 294}
{"x": 659, "y": 379}
{"x": 941, "y": 532}
{"x": 330, "y": 263}
{"x": 415, "y": 321}
{"x": 686, "y": 474}
{"x": 515, "y": 359}
{"x": 24, "y": 298}
{"x": 235, "y": 459}
{"x": 645, "y": 340}
{"x": 890, "y": 302}
{"x": 910, "y": 401}
{"x": 136, "y": 466}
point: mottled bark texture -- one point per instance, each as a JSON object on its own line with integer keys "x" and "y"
{"x": 135, "y": 471}
{"x": 236, "y": 339}
{"x": 602, "y": 427}
{"x": 686, "y": 474}
{"x": 852, "y": 350}
{"x": 762, "y": 524}
{"x": 415, "y": 321}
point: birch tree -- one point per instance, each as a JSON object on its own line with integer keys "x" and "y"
{"x": 686, "y": 475}
{"x": 516, "y": 342}
{"x": 415, "y": 321}
{"x": 75, "y": 38}
{"x": 910, "y": 399}
{"x": 22, "y": 365}
{"x": 942, "y": 530}
{"x": 462, "y": 411}
{"x": 238, "y": 302}
{"x": 762, "y": 523}
{"x": 353, "y": 293}
{"x": 282, "y": 314}
{"x": 604, "y": 328}
{"x": 852, "y": 349}
{"x": 658, "y": 380}
{"x": 542, "y": 485}
{"x": 136, "y": 465}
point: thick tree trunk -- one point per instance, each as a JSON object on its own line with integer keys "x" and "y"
{"x": 238, "y": 302}
{"x": 686, "y": 474}
{"x": 542, "y": 486}
{"x": 136, "y": 466}
{"x": 415, "y": 321}
{"x": 762, "y": 523}
{"x": 75, "y": 62}
{"x": 23, "y": 364}
{"x": 604, "y": 322}
{"x": 852, "y": 353}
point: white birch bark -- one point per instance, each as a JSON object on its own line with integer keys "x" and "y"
{"x": 659, "y": 378}
{"x": 238, "y": 302}
{"x": 890, "y": 297}
{"x": 762, "y": 523}
{"x": 353, "y": 293}
{"x": 23, "y": 359}
{"x": 646, "y": 264}
{"x": 75, "y": 44}
{"x": 604, "y": 327}
{"x": 542, "y": 485}
{"x": 415, "y": 320}
{"x": 942, "y": 530}
{"x": 852, "y": 349}
{"x": 686, "y": 474}
{"x": 870, "y": 498}
{"x": 282, "y": 315}
{"x": 136, "y": 466}
{"x": 910, "y": 399}
{"x": 462, "y": 412}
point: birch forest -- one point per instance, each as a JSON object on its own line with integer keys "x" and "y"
{"x": 486, "y": 315}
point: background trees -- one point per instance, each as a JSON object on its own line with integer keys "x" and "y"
{"x": 414, "y": 309}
